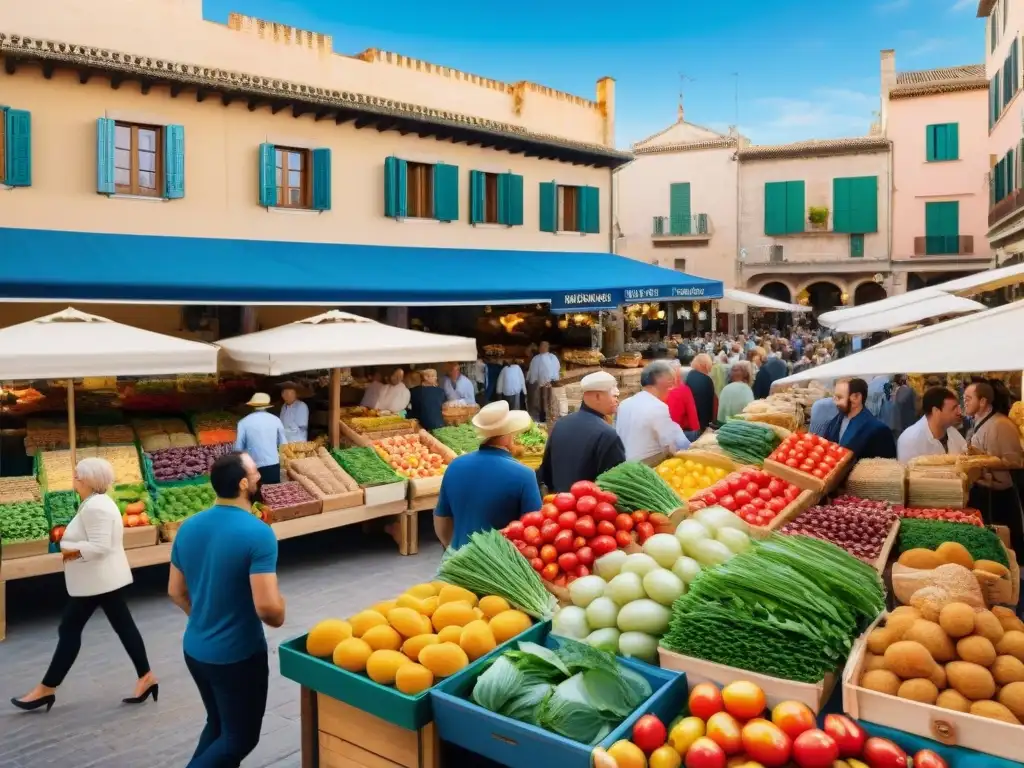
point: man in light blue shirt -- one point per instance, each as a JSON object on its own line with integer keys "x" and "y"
{"x": 260, "y": 434}
{"x": 294, "y": 414}
{"x": 458, "y": 387}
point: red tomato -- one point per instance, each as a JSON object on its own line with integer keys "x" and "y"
{"x": 563, "y": 541}
{"x": 549, "y": 512}
{"x": 649, "y": 733}
{"x": 606, "y": 528}
{"x": 705, "y": 700}
{"x": 883, "y": 754}
{"x": 746, "y": 510}
{"x": 758, "y": 503}
{"x": 791, "y": 462}
{"x": 602, "y": 545}
{"x": 586, "y": 505}
{"x": 623, "y": 522}
{"x": 848, "y": 736}
{"x": 709, "y": 498}
{"x": 623, "y": 539}
{"x": 549, "y": 498}
{"x": 607, "y": 497}
{"x": 548, "y": 553}
{"x": 777, "y": 505}
{"x": 752, "y": 488}
{"x": 583, "y": 488}
{"x": 640, "y": 516}
{"x": 585, "y": 526}
{"x": 585, "y": 555}
{"x": 568, "y": 562}
{"x": 818, "y": 473}
{"x": 550, "y": 571}
{"x": 662, "y": 523}
{"x": 735, "y": 482}
{"x": 604, "y": 511}
{"x": 516, "y": 527}
{"x": 743, "y": 700}
{"x": 548, "y": 531}
{"x": 560, "y": 581}
{"x": 816, "y": 749}
{"x": 644, "y": 531}
{"x": 793, "y": 717}
{"x": 565, "y": 502}
{"x": 743, "y": 497}
{"x": 529, "y": 552}
{"x": 531, "y": 536}
{"x": 567, "y": 521}
{"x": 791, "y": 493}
{"x": 776, "y": 486}
{"x": 724, "y": 730}
{"x": 766, "y": 743}
{"x": 579, "y": 541}
{"x": 532, "y": 518}
{"x": 928, "y": 759}
{"x": 537, "y": 564}
{"x": 728, "y": 502}
{"x": 704, "y": 753}
{"x": 765, "y": 494}
{"x": 695, "y": 505}
{"x": 581, "y": 571}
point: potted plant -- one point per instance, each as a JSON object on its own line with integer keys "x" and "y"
{"x": 818, "y": 217}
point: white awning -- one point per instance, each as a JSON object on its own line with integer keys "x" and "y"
{"x": 923, "y": 299}
{"x": 762, "y": 302}
{"x": 989, "y": 280}
{"x": 73, "y": 344}
{"x": 908, "y": 314}
{"x": 976, "y": 343}
{"x": 338, "y": 339}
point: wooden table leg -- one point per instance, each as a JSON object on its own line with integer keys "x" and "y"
{"x": 310, "y": 730}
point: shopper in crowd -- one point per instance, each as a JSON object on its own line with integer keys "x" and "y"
{"x": 261, "y": 434}
{"x": 823, "y": 411}
{"x": 223, "y": 575}
{"x": 935, "y": 432}
{"x": 682, "y": 408}
{"x": 703, "y": 388}
{"x": 685, "y": 355}
{"x": 544, "y": 369}
{"x": 512, "y": 386}
{"x": 737, "y": 394}
{"x": 294, "y": 414}
{"x": 644, "y": 423}
{"x": 855, "y": 427}
{"x": 879, "y": 401}
{"x": 458, "y": 388}
{"x": 394, "y": 398}
{"x": 427, "y": 400}
{"x": 994, "y": 434}
{"x": 488, "y": 488}
{"x": 583, "y": 444}
{"x": 903, "y": 413}
{"x": 373, "y": 390}
{"x": 771, "y": 371}
{"x": 96, "y": 573}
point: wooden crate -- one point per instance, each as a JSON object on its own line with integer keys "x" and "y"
{"x": 141, "y": 536}
{"x": 808, "y": 482}
{"x": 350, "y": 738}
{"x": 22, "y": 549}
{"x": 890, "y": 541}
{"x": 342, "y": 500}
{"x": 307, "y": 508}
{"x": 797, "y": 507}
{"x": 169, "y": 530}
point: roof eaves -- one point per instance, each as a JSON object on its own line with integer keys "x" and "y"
{"x": 932, "y": 89}
{"x": 816, "y": 148}
{"x": 985, "y": 8}
{"x": 688, "y": 146}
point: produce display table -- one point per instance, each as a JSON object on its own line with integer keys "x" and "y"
{"x": 142, "y": 557}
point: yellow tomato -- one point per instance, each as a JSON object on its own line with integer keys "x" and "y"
{"x": 665, "y": 757}
{"x": 626, "y": 754}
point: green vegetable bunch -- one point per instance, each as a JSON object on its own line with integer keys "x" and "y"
{"x": 639, "y": 487}
{"x": 61, "y": 506}
{"x": 461, "y": 439}
{"x": 982, "y": 543}
{"x": 179, "y": 502}
{"x": 746, "y": 441}
{"x": 23, "y": 521}
{"x": 534, "y": 437}
{"x": 365, "y": 466}
{"x": 129, "y": 494}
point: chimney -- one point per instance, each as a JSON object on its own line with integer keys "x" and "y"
{"x": 606, "y": 103}
{"x": 888, "y": 80}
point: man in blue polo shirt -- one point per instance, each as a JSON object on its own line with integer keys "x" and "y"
{"x": 224, "y": 577}
{"x": 487, "y": 488}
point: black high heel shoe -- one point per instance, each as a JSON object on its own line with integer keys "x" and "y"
{"x": 154, "y": 689}
{"x": 29, "y": 706}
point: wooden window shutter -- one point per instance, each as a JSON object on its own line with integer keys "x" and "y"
{"x": 321, "y": 179}
{"x": 865, "y": 204}
{"x": 953, "y": 141}
{"x": 395, "y": 200}
{"x": 268, "y": 176}
{"x": 796, "y": 209}
{"x": 510, "y": 199}
{"x": 478, "y": 197}
{"x": 775, "y": 208}
{"x": 589, "y": 211}
{"x": 174, "y": 162}
{"x": 548, "y": 206}
{"x": 105, "y": 156}
{"x": 842, "y": 206}
{"x": 679, "y": 208}
{"x": 18, "y": 148}
{"x": 446, "y": 192}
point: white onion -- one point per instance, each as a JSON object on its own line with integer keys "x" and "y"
{"x": 686, "y": 568}
{"x": 663, "y": 586}
{"x": 584, "y": 591}
{"x": 602, "y": 613}
{"x": 691, "y": 531}
{"x": 571, "y": 621}
{"x": 606, "y": 639}
{"x": 716, "y": 518}
{"x": 644, "y": 616}
{"x": 625, "y": 588}
{"x": 639, "y": 645}
{"x": 664, "y": 548}
{"x": 737, "y": 541}
{"x": 708, "y": 552}
{"x": 608, "y": 566}
{"x": 639, "y": 563}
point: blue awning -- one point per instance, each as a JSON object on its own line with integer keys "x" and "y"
{"x": 51, "y": 265}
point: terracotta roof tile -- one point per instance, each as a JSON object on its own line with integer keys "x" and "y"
{"x": 687, "y": 146}
{"x": 943, "y": 80}
{"x": 985, "y": 8}
{"x": 816, "y": 148}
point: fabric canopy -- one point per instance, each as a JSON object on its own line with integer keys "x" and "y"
{"x": 915, "y": 305}
{"x": 989, "y": 280}
{"x": 73, "y": 344}
{"x": 975, "y": 343}
{"x": 142, "y": 268}
{"x": 908, "y": 314}
{"x": 338, "y": 339}
{"x": 762, "y": 302}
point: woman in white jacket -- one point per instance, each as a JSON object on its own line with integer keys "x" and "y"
{"x": 96, "y": 572}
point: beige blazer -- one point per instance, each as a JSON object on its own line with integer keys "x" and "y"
{"x": 97, "y": 532}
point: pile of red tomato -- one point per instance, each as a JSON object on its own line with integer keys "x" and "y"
{"x": 967, "y": 516}
{"x": 731, "y": 727}
{"x": 753, "y": 494}
{"x": 564, "y": 537}
{"x": 809, "y": 453}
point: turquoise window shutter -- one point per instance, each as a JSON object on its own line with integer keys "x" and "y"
{"x": 510, "y": 199}
{"x": 446, "y": 192}
{"x": 931, "y": 154}
{"x": 679, "y": 208}
{"x": 865, "y": 204}
{"x": 548, "y": 206}
{"x": 953, "y": 141}
{"x": 796, "y": 209}
{"x": 842, "y": 206}
{"x": 18, "y": 136}
{"x": 478, "y": 196}
{"x": 856, "y": 246}
{"x": 395, "y": 190}
{"x": 321, "y": 179}
{"x": 174, "y": 162}
{"x": 1010, "y": 166}
{"x": 942, "y": 228}
{"x": 105, "y": 156}
{"x": 268, "y": 176}
{"x": 775, "y": 208}
{"x": 589, "y": 211}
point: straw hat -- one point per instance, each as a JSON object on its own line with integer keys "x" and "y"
{"x": 496, "y": 419}
{"x": 599, "y": 381}
{"x": 260, "y": 401}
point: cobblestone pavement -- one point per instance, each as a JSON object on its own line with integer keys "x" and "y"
{"x": 329, "y": 574}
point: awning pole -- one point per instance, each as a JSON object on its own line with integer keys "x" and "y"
{"x": 72, "y": 436}
{"x": 334, "y": 410}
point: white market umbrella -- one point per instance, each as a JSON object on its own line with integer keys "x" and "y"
{"x": 762, "y": 302}
{"x": 989, "y": 280}
{"x": 915, "y": 306}
{"x": 907, "y": 315}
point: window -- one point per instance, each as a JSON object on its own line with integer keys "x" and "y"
{"x": 291, "y": 177}
{"x": 420, "y": 191}
{"x": 566, "y": 208}
{"x": 943, "y": 142}
{"x": 856, "y": 246}
{"x": 495, "y": 198}
{"x": 680, "y": 265}
{"x": 414, "y": 190}
{"x": 138, "y": 161}
{"x": 942, "y": 228}
{"x": 855, "y": 204}
{"x": 784, "y": 209}
{"x": 679, "y": 208}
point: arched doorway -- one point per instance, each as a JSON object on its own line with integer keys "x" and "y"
{"x": 867, "y": 293}
{"x": 824, "y": 296}
{"x": 778, "y": 291}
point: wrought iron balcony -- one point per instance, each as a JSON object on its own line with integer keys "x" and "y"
{"x": 697, "y": 226}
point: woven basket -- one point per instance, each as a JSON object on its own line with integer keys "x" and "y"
{"x": 459, "y": 414}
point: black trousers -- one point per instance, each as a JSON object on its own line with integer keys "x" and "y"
{"x": 270, "y": 474}
{"x": 235, "y": 697}
{"x": 77, "y": 613}
{"x": 1001, "y": 508}
{"x": 515, "y": 402}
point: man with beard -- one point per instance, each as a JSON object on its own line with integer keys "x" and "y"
{"x": 935, "y": 432}
{"x": 855, "y": 428}
{"x": 223, "y": 575}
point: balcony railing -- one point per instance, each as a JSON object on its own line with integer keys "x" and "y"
{"x": 697, "y": 226}
{"x": 944, "y": 245}
{"x": 1009, "y": 204}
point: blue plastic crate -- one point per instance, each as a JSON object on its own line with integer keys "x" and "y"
{"x": 383, "y": 701}
{"x": 511, "y": 742}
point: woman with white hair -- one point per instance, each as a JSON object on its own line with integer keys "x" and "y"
{"x": 96, "y": 572}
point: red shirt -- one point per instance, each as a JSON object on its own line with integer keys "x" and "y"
{"x": 682, "y": 408}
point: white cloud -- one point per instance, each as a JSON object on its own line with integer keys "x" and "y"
{"x": 825, "y": 113}
{"x": 963, "y": 5}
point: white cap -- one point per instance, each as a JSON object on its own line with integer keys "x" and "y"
{"x": 601, "y": 381}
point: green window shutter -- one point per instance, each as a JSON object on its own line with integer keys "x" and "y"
{"x": 174, "y": 162}
{"x": 510, "y": 199}
{"x": 991, "y": 104}
{"x": 1000, "y": 180}
{"x": 395, "y": 188}
{"x": 796, "y": 208}
{"x": 478, "y": 197}
{"x": 18, "y": 144}
{"x": 322, "y": 179}
{"x": 446, "y": 192}
{"x": 931, "y": 137}
{"x": 842, "y": 205}
{"x": 775, "y": 208}
{"x": 105, "y": 156}
{"x": 856, "y": 246}
{"x": 998, "y": 106}
{"x": 548, "y": 206}
{"x": 679, "y": 208}
{"x": 942, "y": 228}
{"x": 268, "y": 175}
{"x": 953, "y": 141}
{"x": 1010, "y": 173}
{"x": 589, "y": 210}
{"x": 865, "y": 204}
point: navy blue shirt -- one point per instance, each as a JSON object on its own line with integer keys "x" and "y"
{"x": 217, "y": 550}
{"x": 486, "y": 489}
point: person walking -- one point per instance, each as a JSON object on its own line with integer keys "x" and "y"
{"x": 223, "y": 575}
{"x": 261, "y": 434}
{"x": 294, "y": 414}
{"x": 703, "y": 388}
{"x": 426, "y": 402}
{"x": 544, "y": 369}
{"x": 644, "y": 423}
{"x": 512, "y": 386}
{"x": 96, "y": 573}
{"x": 737, "y": 394}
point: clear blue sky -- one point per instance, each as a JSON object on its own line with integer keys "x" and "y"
{"x": 806, "y": 69}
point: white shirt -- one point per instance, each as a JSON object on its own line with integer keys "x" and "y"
{"x": 917, "y": 440}
{"x": 97, "y": 532}
{"x": 646, "y": 429}
{"x": 393, "y": 398}
{"x": 295, "y": 418}
{"x": 544, "y": 368}
{"x": 373, "y": 390}
{"x": 511, "y": 381}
